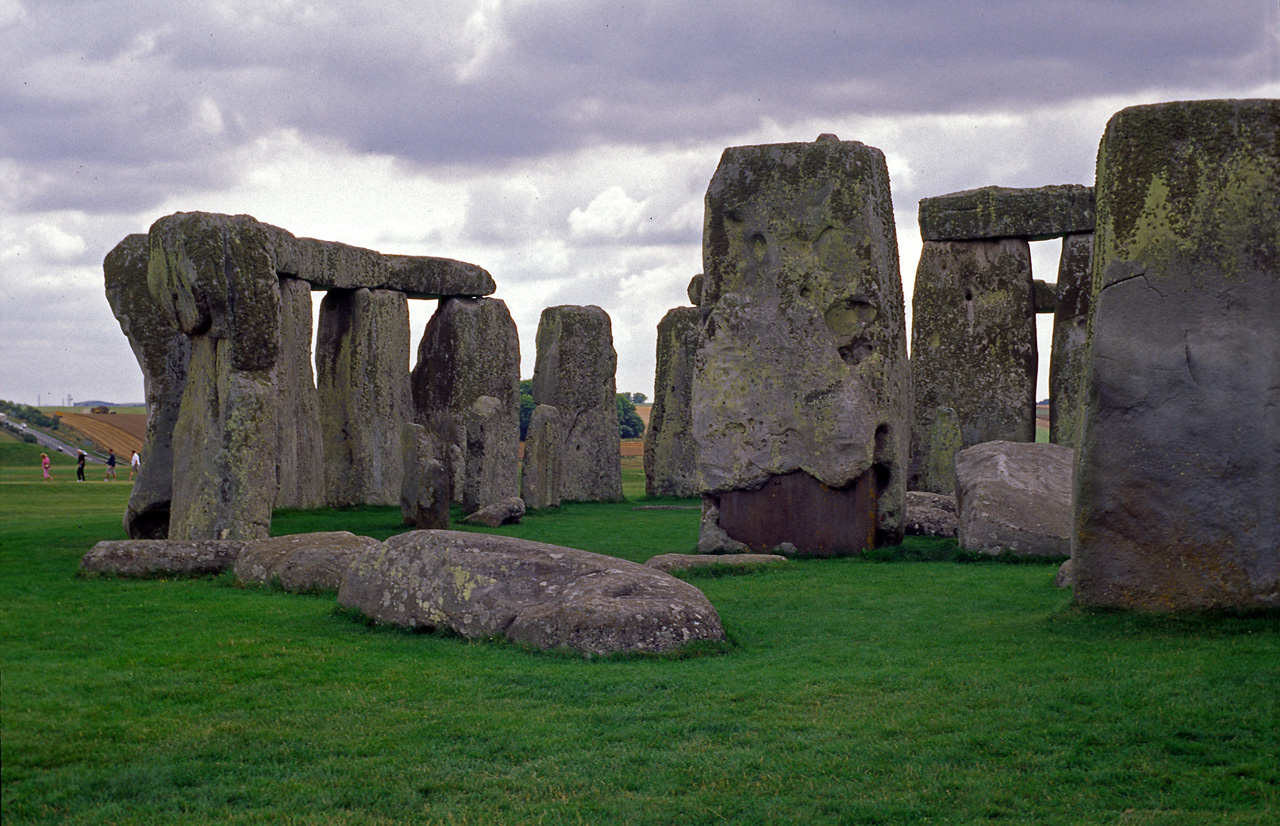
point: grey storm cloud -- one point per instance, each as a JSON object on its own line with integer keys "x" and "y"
{"x": 153, "y": 99}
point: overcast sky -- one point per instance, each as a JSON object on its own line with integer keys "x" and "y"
{"x": 563, "y": 145}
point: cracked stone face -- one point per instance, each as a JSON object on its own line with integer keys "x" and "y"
{"x": 1177, "y": 502}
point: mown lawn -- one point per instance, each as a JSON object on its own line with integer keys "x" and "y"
{"x": 853, "y": 691}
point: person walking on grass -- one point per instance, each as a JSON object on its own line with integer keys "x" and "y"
{"x": 80, "y": 459}
{"x": 111, "y": 466}
{"x": 134, "y": 463}
{"x": 44, "y": 466}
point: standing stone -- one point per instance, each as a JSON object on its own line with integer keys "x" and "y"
{"x": 574, "y": 373}
{"x": 214, "y": 279}
{"x": 540, "y": 477}
{"x": 973, "y": 341}
{"x": 670, "y": 455}
{"x": 934, "y": 470}
{"x": 800, "y": 389}
{"x": 164, "y": 354}
{"x": 1070, "y": 336}
{"x": 362, "y": 367}
{"x": 470, "y": 350}
{"x": 1177, "y": 501}
{"x": 424, "y": 489}
{"x": 299, "y": 458}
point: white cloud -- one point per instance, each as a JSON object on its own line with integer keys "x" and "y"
{"x": 55, "y": 243}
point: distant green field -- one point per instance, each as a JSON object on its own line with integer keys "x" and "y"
{"x": 853, "y": 691}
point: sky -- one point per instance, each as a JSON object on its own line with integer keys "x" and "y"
{"x": 563, "y": 145}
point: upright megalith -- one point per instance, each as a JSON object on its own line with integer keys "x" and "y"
{"x": 973, "y": 342}
{"x": 214, "y": 279}
{"x": 470, "y": 351}
{"x": 670, "y": 455}
{"x": 800, "y": 387}
{"x": 1070, "y": 335}
{"x": 574, "y": 372}
{"x": 425, "y": 486}
{"x": 1177, "y": 501}
{"x": 540, "y": 474}
{"x": 300, "y": 447}
{"x": 362, "y": 379}
{"x": 164, "y": 355}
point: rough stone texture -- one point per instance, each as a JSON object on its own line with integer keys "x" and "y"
{"x": 164, "y": 355}
{"x": 1065, "y": 577}
{"x": 300, "y": 448}
{"x": 362, "y": 378}
{"x": 506, "y": 512}
{"x": 804, "y": 368}
{"x": 1014, "y": 496}
{"x": 301, "y": 563}
{"x": 973, "y": 342}
{"x": 1001, "y": 212}
{"x": 933, "y": 466}
{"x": 1070, "y": 338}
{"x": 670, "y": 455}
{"x": 685, "y": 562}
{"x": 332, "y": 266}
{"x": 574, "y": 373}
{"x": 546, "y": 596}
{"x": 424, "y": 488}
{"x": 470, "y": 350}
{"x": 1044, "y": 296}
{"x": 162, "y": 557}
{"x": 1178, "y": 481}
{"x": 540, "y": 474}
{"x": 931, "y": 514}
{"x": 694, "y": 290}
{"x": 213, "y": 279}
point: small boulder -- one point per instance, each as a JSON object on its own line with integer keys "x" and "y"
{"x": 507, "y": 512}
{"x": 302, "y": 563}
{"x": 683, "y": 562}
{"x": 158, "y": 557}
{"x": 1015, "y": 496}
{"x": 546, "y": 596}
{"x": 1065, "y": 577}
{"x": 931, "y": 514}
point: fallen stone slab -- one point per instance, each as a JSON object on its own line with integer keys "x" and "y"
{"x": 931, "y": 514}
{"x": 508, "y": 511}
{"x": 301, "y": 563}
{"x": 157, "y": 557}
{"x": 546, "y": 596}
{"x": 1015, "y": 496}
{"x": 1001, "y": 212}
{"x": 683, "y": 562}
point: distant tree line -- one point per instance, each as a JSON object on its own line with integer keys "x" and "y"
{"x": 630, "y": 425}
{"x": 28, "y": 414}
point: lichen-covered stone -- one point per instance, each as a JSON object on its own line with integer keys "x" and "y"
{"x": 670, "y": 455}
{"x": 425, "y": 486}
{"x": 213, "y": 278}
{"x": 540, "y": 474}
{"x": 574, "y": 373}
{"x": 470, "y": 349}
{"x": 933, "y": 466}
{"x": 690, "y": 562}
{"x": 1178, "y": 479}
{"x": 161, "y": 557}
{"x": 546, "y": 596}
{"x": 973, "y": 341}
{"x": 164, "y": 354}
{"x": 300, "y": 448}
{"x": 1014, "y": 497}
{"x": 694, "y": 290}
{"x": 301, "y": 563}
{"x": 506, "y": 512}
{"x": 362, "y": 379}
{"x": 1070, "y": 338}
{"x": 1001, "y": 212}
{"x": 803, "y": 369}
{"x": 931, "y": 514}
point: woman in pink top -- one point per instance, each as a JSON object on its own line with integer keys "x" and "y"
{"x": 44, "y": 465}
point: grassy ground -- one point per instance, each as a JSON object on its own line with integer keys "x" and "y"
{"x": 854, "y": 691}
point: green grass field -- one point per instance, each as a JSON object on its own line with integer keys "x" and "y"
{"x": 853, "y": 691}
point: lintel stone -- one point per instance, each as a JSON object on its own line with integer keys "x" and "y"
{"x": 1001, "y": 212}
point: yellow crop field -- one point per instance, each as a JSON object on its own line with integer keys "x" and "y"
{"x": 120, "y": 433}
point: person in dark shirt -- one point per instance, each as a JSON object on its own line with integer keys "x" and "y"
{"x": 80, "y": 457}
{"x": 111, "y": 466}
